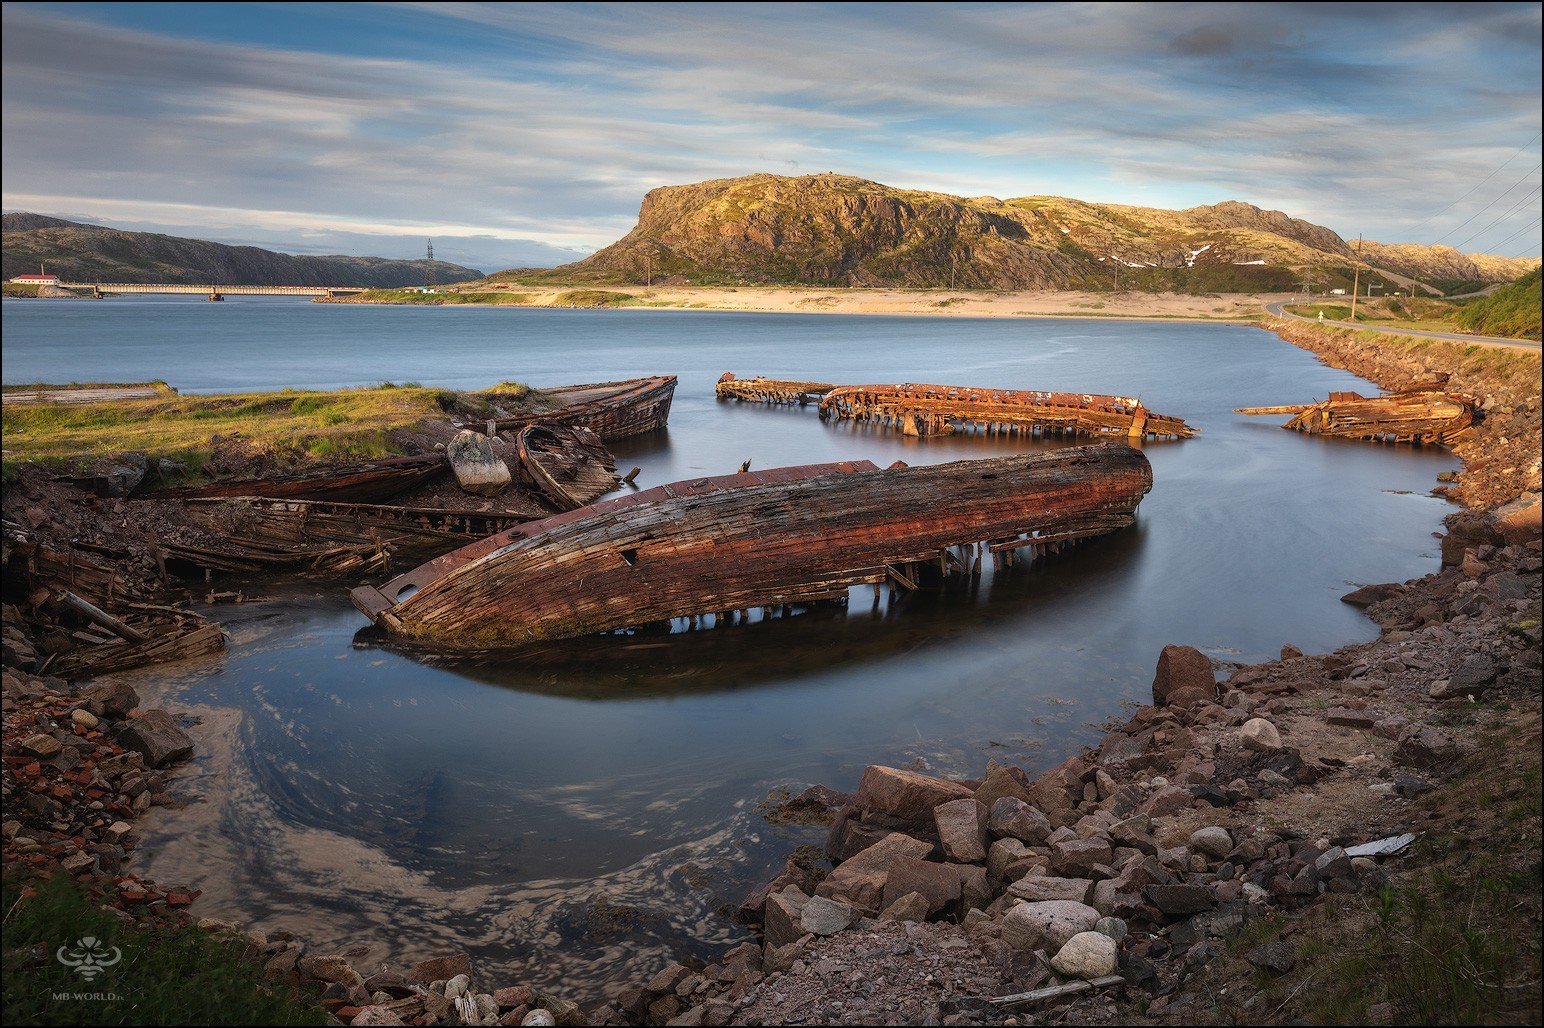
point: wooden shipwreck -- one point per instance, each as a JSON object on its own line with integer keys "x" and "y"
{"x": 756, "y": 539}
{"x": 1420, "y": 415}
{"x": 775, "y": 391}
{"x": 612, "y": 410}
{"x": 567, "y": 463}
{"x": 938, "y": 409}
{"x": 365, "y": 482}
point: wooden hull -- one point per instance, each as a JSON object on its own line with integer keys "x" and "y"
{"x": 755, "y": 539}
{"x": 771, "y": 390}
{"x": 935, "y": 409}
{"x": 1415, "y": 416}
{"x": 570, "y": 465}
{"x": 612, "y": 410}
{"x": 360, "y": 483}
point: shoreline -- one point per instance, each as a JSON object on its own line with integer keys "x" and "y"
{"x": 1288, "y": 693}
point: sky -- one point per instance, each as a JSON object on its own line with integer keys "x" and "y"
{"x": 527, "y": 134}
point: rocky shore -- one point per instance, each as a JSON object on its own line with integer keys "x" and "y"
{"x": 1194, "y": 867}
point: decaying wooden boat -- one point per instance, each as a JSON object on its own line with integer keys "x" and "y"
{"x": 366, "y": 482}
{"x": 936, "y": 409}
{"x": 568, "y": 463}
{"x": 1419, "y": 415}
{"x": 612, "y": 410}
{"x": 771, "y": 390}
{"x": 755, "y": 539}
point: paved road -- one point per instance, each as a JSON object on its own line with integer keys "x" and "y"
{"x": 1278, "y": 309}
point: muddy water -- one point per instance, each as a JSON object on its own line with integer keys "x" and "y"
{"x": 572, "y": 816}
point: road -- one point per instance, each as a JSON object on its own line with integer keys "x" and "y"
{"x": 1278, "y": 309}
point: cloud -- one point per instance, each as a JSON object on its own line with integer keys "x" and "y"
{"x": 542, "y": 125}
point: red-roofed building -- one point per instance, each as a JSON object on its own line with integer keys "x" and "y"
{"x": 37, "y": 280}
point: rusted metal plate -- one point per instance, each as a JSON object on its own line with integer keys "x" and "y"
{"x": 754, "y": 539}
{"x": 1414, "y": 416}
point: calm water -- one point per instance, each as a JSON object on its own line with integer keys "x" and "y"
{"x": 581, "y": 813}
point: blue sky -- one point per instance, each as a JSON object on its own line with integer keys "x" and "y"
{"x": 528, "y": 133}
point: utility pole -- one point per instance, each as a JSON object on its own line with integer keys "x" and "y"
{"x": 1356, "y": 281}
{"x": 1117, "y": 276}
{"x": 429, "y": 281}
{"x": 648, "y": 270}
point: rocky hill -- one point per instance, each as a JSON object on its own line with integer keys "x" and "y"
{"x": 838, "y": 230}
{"x": 92, "y": 253}
{"x": 1445, "y": 264}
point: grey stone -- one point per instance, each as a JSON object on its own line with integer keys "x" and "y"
{"x": 1087, "y": 955}
{"x": 1212, "y": 840}
{"x": 1047, "y": 925}
{"x": 1013, "y": 817}
{"x": 823, "y": 916}
{"x": 478, "y": 469}
{"x": 156, "y": 736}
{"x": 1114, "y": 927}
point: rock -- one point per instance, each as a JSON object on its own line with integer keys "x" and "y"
{"x": 376, "y": 1015}
{"x": 1179, "y": 900}
{"x": 1412, "y": 786}
{"x": 115, "y": 699}
{"x": 1520, "y": 521}
{"x": 1170, "y": 799}
{"x": 333, "y": 969}
{"x": 976, "y": 890}
{"x": 1087, "y": 955}
{"x": 940, "y": 883}
{"x": 1013, "y": 817}
{"x": 539, "y": 1017}
{"x": 962, "y": 829}
{"x": 40, "y": 746}
{"x": 1467, "y": 529}
{"x": 1184, "y": 677}
{"x": 1079, "y": 857}
{"x": 823, "y": 916}
{"x": 1278, "y": 956}
{"x": 513, "y": 996}
{"x": 1367, "y": 595}
{"x": 1423, "y": 746}
{"x": 1259, "y": 735}
{"x": 1038, "y": 888}
{"x": 1348, "y": 718}
{"x": 84, "y": 718}
{"x": 1048, "y": 925}
{"x": 911, "y": 907}
{"x": 156, "y": 736}
{"x": 1114, "y": 927}
{"x": 441, "y": 969}
{"x": 1212, "y": 841}
{"x": 784, "y": 920}
{"x": 860, "y": 881}
{"x": 1474, "y": 676}
{"x": 1002, "y": 781}
{"x": 1290, "y": 652}
{"x": 123, "y": 478}
{"x": 478, "y": 469}
{"x": 904, "y": 794}
{"x": 1002, "y": 853}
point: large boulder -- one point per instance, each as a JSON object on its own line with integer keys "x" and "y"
{"x": 784, "y": 918}
{"x": 1002, "y": 780}
{"x": 1521, "y": 521}
{"x": 155, "y": 736}
{"x": 1049, "y": 925}
{"x": 478, "y": 469}
{"x": 1011, "y": 816}
{"x": 860, "y": 881}
{"x": 1468, "y": 529}
{"x": 1087, "y": 955}
{"x": 940, "y": 883}
{"x": 962, "y": 830}
{"x": 902, "y": 794}
{"x": 1184, "y": 677}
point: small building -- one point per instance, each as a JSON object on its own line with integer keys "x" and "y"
{"x": 37, "y": 280}
{"x": 1337, "y": 292}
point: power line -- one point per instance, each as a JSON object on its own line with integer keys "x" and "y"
{"x": 1488, "y": 206}
{"x": 1477, "y": 185}
{"x": 1508, "y": 214}
{"x": 1536, "y": 223}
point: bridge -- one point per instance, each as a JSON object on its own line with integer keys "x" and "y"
{"x": 212, "y": 291}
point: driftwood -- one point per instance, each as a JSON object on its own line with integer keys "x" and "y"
{"x": 358, "y": 483}
{"x": 1413, "y": 416}
{"x": 758, "y": 539}
{"x": 1025, "y": 1000}
{"x": 771, "y": 390}
{"x": 612, "y": 410}
{"x": 936, "y": 409}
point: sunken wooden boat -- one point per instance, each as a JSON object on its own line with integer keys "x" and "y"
{"x": 568, "y": 463}
{"x": 365, "y": 482}
{"x": 755, "y": 539}
{"x": 939, "y": 409}
{"x": 1423, "y": 416}
{"x": 612, "y": 410}
{"x": 775, "y": 391}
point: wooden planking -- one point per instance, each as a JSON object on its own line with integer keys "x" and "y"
{"x": 612, "y": 410}
{"x": 788, "y": 392}
{"x": 568, "y": 463}
{"x": 1413, "y": 416}
{"x": 753, "y": 540}
{"x": 918, "y": 409}
{"x": 358, "y": 483}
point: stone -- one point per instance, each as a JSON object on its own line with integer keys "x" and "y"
{"x": 911, "y": 907}
{"x": 441, "y": 969}
{"x": 1423, "y": 746}
{"x": 1048, "y": 925}
{"x": 860, "y": 881}
{"x": 333, "y": 969}
{"x": 1467, "y": 529}
{"x": 784, "y": 920}
{"x": 823, "y": 916}
{"x": 1522, "y": 520}
{"x": 1184, "y": 677}
{"x": 962, "y": 829}
{"x": 40, "y": 746}
{"x": 1367, "y": 595}
{"x": 902, "y": 794}
{"x": 1290, "y": 652}
{"x": 1114, "y": 927}
{"x": 84, "y": 718}
{"x": 478, "y": 469}
{"x": 513, "y": 996}
{"x": 1167, "y": 800}
{"x": 1011, "y": 816}
{"x": 1179, "y": 900}
{"x": 539, "y": 1017}
{"x": 1002, "y": 781}
{"x": 1259, "y": 735}
{"x": 940, "y": 883}
{"x": 114, "y": 699}
{"x": 1002, "y": 853}
{"x": 1412, "y": 786}
{"x": 1038, "y": 888}
{"x": 1474, "y": 676}
{"x": 1078, "y": 857}
{"x": 1087, "y": 955}
{"x": 374, "y": 1014}
{"x": 1278, "y": 956}
{"x": 976, "y": 890}
{"x": 156, "y": 736}
{"x": 1213, "y": 841}
{"x": 1349, "y": 718}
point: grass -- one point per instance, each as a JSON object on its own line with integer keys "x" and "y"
{"x": 441, "y": 299}
{"x": 29, "y": 387}
{"x": 592, "y": 298}
{"x": 292, "y": 425}
{"x": 1513, "y": 310}
{"x": 19, "y": 288}
{"x": 166, "y": 975}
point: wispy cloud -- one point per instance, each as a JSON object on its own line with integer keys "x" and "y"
{"x": 538, "y": 127}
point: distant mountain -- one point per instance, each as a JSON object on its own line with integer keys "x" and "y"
{"x": 92, "y": 253}
{"x": 842, "y": 231}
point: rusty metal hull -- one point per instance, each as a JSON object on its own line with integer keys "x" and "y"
{"x": 936, "y": 409}
{"x": 774, "y": 391}
{"x": 1414, "y": 416}
{"x": 756, "y": 539}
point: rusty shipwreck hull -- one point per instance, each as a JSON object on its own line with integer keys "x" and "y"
{"x": 789, "y": 535}
{"x": 612, "y": 410}
{"x": 776, "y": 391}
{"x": 1414, "y": 416}
{"x": 917, "y": 409}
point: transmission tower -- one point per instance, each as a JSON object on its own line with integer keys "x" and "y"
{"x": 429, "y": 282}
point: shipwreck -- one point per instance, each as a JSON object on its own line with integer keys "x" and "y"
{"x": 1422, "y": 415}
{"x": 776, "y": 391}
{"x": 795, "y": 535}
{"x": 612, "y": 410}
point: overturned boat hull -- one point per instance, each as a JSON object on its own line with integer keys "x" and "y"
{"x": 788, "y": 535}
{"x": 1414, "y": 416}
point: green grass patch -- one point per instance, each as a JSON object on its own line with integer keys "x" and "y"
{"x": 1512, "y": 311}
{"x": 592, "y": 298}
{"x": 163, "y": 975}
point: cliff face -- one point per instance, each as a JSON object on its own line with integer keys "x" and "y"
{"x": 91, "y": 253}
{"x": 839, "y": 230}
{"x": 1443, "y": 263}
